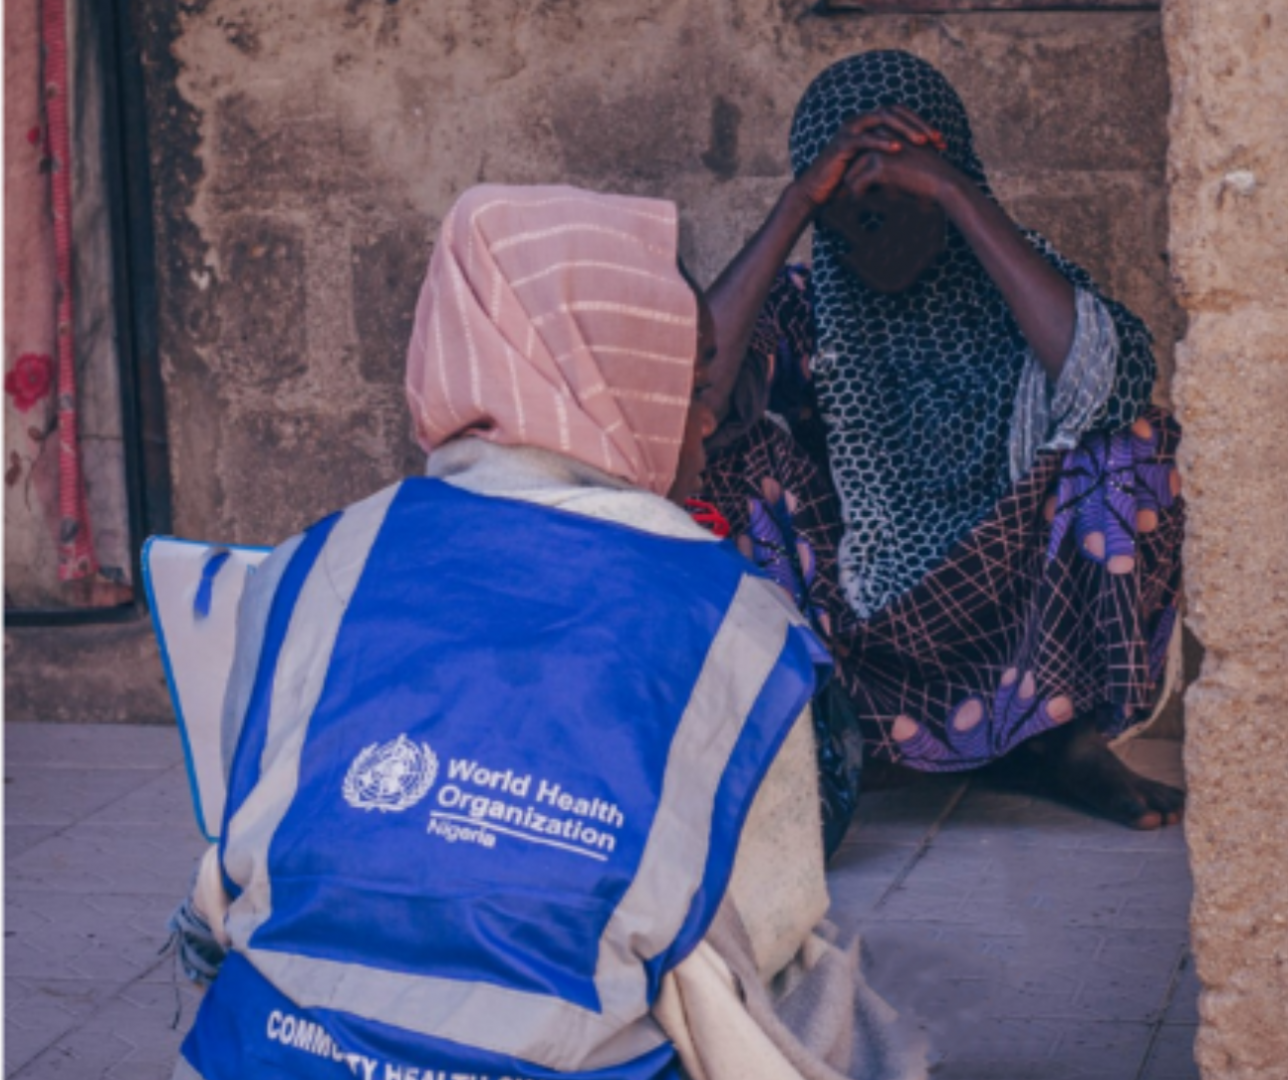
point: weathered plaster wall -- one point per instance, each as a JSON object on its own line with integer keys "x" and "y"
{"x": 306, "y": 151}
{"x": 1229, "y": 239}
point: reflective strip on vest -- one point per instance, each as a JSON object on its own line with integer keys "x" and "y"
{"x": 494, "y": 784}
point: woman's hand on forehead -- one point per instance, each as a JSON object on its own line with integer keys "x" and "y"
{"x": 888, "y": 130}
{"x": 916, "y": 171}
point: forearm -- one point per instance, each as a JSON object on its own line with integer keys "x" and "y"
{"x": 739, "y": 292}
{"x": 1039, "y": 296}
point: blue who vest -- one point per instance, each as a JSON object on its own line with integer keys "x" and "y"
{"x": 492, "y": 769}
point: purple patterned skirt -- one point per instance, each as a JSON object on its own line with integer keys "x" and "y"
{"x": 1060, "y": 604}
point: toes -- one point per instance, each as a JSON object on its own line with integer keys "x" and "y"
{"x": 1128, "y": 808}
{"x": 1167, "y": 800}
{"x": 1093, "y": 775}
{"x": 1109, "y": 793}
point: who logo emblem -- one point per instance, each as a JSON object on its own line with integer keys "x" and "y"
{"x": 390, "y": 776}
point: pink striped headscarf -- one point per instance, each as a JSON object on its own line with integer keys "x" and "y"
{"x": 556, "y": 318}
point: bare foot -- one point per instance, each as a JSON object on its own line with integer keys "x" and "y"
{"x": 1078, "y": 760}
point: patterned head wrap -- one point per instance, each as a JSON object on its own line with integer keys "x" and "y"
{"x": 917, "y": 389}
{"x": 557, "y": 318}
{"x": 866, "y": 82}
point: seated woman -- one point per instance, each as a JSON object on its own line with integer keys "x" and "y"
{"x": 977, "y": 501}
{"x": 517, "y": 785}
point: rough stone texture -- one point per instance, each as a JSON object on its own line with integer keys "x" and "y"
{"x": 1229, "y": 240}
{"x": 306, "y": 151}
{"x": 105, "y": 674}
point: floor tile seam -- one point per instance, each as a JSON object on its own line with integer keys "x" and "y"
{"x": 962, "y": 834}
{"x": 89, "y": 766}
{"x": 21, "y": 728}
{"x": 1146, "y": 1024}
{"x": 40, "y": 982}
{"x": 974, "y": 834}
{"x": 166, "y": 831}
{"x": 1110, "y": 923}
{"x": 1160, "y": 1019}
{"x": 88, "y": 1018}
{"x": 9, "y": 823}
{"x": 92, "y": 764}
{"x": 82, "y": 820}
{"x": 924, "y": 844}
{"x": 850, "y": 845}
{"x": 1174, "y": 981}
{"x": 1084, "y": 1021}
{"x": 17, "y": 888}
{"x": 163, "y": 831}
{"x": 15, "y": 1073}
{"x": 21, "y": 888}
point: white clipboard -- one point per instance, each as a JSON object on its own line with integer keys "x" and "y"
{"x": 193, "y": 590}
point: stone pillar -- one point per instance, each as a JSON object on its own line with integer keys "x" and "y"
{"x": 1229, "y": 248}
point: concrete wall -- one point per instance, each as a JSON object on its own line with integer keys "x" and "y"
{"x": 307, "y": 150}
{"x": 1229, "y": 239}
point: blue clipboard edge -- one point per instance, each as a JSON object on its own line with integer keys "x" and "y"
{"x": 193, "y": 789}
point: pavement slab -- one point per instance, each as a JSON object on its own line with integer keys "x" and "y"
{"x": 99, "y": 845}
{"x": 1184, "y": 1007}
{"x": 1172, "y": 1056}
{"x": 1027, "y": 940}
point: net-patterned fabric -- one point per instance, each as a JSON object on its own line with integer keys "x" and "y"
{"x": 772, "y": 500}
{"x": 1020, "y": 627}
{"x": 917, "y": 390}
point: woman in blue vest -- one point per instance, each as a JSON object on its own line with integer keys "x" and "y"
{"x": 976, "y": 500}
{"x": 520, "y": 781}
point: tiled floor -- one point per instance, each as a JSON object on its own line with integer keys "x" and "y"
{"x": 99, "y": 843}
{"x": 1028, "y": 941}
